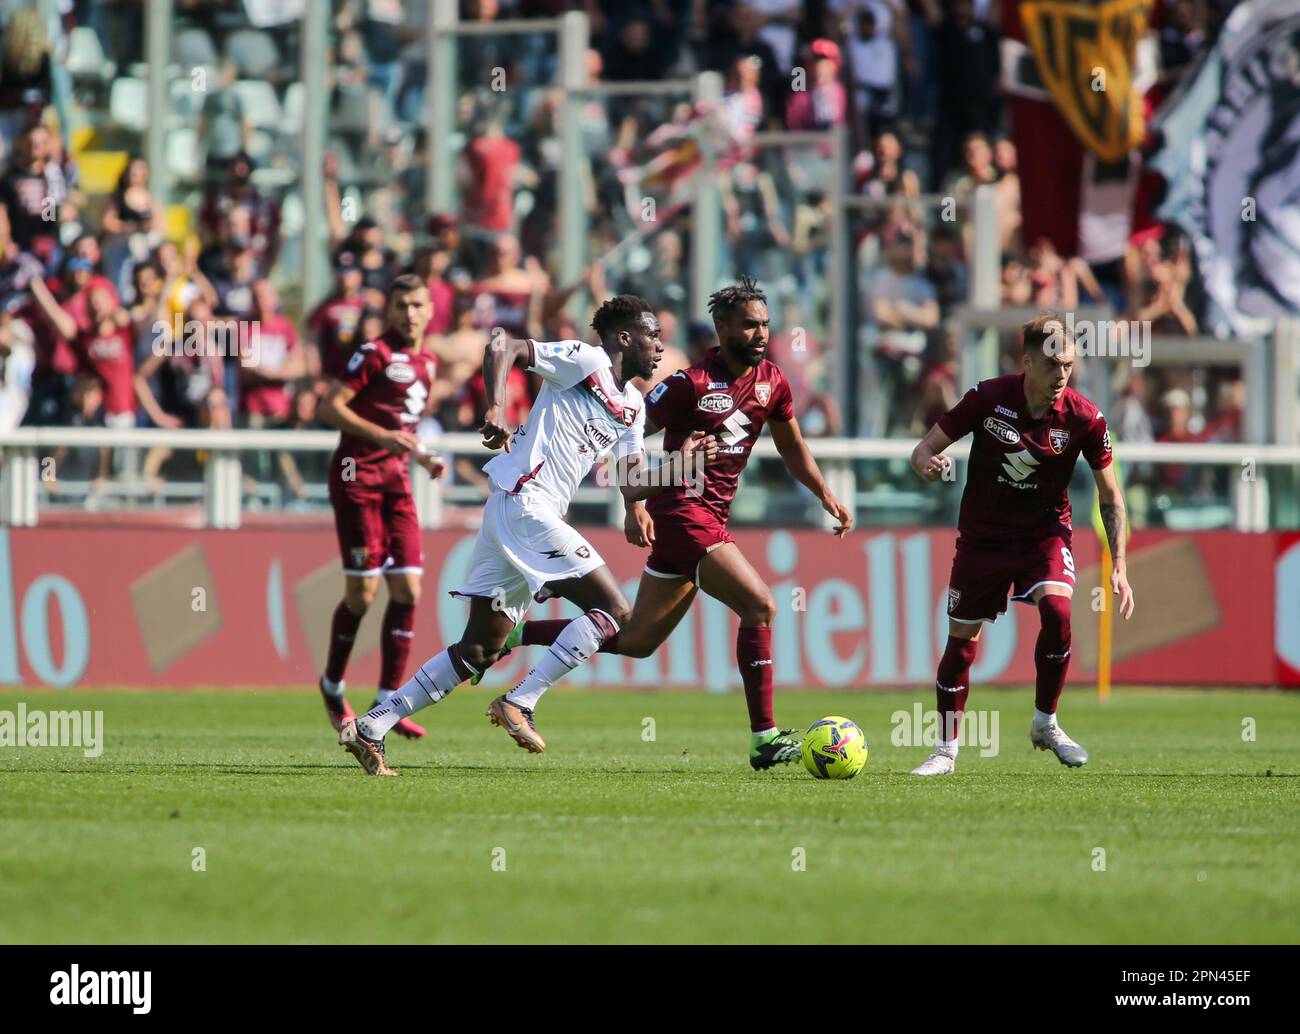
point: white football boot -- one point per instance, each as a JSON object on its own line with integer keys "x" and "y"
{"x": 1050, "y": 736}
{"x": 938, "y": 763}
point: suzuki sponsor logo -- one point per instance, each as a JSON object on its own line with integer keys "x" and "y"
{"x": 1001, "y": 430}
{"x": 717, "y": 402}
{"x": 1020, "y": 465}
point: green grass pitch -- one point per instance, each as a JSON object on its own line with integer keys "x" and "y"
{"x": 612, "y": 837}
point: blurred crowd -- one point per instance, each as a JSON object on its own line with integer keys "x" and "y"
{"x": 100, "y": 292}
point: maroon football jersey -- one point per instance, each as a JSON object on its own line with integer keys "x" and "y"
{"x": 335, "y": 324}
{"x": 392, "y": 387}
{"x": 1018, "y": 479}
{"x": 706, "y": 397}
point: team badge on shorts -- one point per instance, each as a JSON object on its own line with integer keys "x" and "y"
{"x": 763, "y": 392}
{"x": 582, "y": 551}
{"x": 359, "y": 554}
{"x": 954, "y": 597}
{"x": 1058, "y": 438}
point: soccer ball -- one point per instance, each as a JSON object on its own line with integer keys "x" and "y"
{"x": 834, "y": 748}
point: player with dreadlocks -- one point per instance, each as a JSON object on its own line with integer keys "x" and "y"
{"x": 729, "y": 396}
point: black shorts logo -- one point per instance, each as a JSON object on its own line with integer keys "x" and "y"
{"x": 954, "y": 597}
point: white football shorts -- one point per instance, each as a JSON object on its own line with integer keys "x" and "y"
{"x": 522, "y": 545}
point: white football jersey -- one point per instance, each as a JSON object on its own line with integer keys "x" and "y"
{"x": 580, "y": 416}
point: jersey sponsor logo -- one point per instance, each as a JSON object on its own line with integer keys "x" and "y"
{"x": 1105, "y": 441}
{"x": 399, "y": 372}
{"x": 954, "y": 597}
{"x": 1057, "y": 438}
{"x": 717, "y": 402}
{"x": 717, "y": 386}
{"x": 1002, "y": 431}
{"x": 601, "y": 436}
{"x": 763, "y": 392}
{"x": 1020, "y": 465}
{"x": 1007, "y": 412}
{"x": 657, "y": 392}
{"x": 354, "y": 364}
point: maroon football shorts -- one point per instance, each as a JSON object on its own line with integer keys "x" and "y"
{"x": 983, "y": 574}
{"x": 683, "y": 538}
{"x": 379, "y": 532}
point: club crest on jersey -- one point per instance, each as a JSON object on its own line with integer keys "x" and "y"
{"x": 1001, "y": 430}
{"x": 400, "y": 372}
{"x": 1058, "y": 437}
{"x": 763, "y": 392}
{"x": 954, "y": 597}
{"x": 717, "y": 402}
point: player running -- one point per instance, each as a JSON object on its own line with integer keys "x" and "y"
{"x": 1013, "y": 532}
{"x": 586, "y": 410}
{"x": 374, "y": 398}
{"x": 730, "y": 394}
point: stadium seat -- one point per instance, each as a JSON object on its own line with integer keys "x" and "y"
{"x": 128, "y": 103}
{"x": 193, "y": 47}
{"x": 295, "y": 106}
{"x": 178, "y": 220}
{"x": 184, "y": 159}
{"x": 260, "y": 103}
{"x": 100, "y": 171}
{"x": 254, "y": 53}
{"x": 86, "y": 58}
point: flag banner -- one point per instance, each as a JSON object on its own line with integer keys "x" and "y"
{"x": 1231, "y": 159}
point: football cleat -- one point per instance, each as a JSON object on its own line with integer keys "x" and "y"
{"x": 1052, "y": 737}
{"x": 781, "y": 749}
{"x": 518, "y": 722}
{"x": 515, "y": 638}
{"x": 938, "y": 763}
{"x": 369, "y": 753}
{"x": 336, "y": 706}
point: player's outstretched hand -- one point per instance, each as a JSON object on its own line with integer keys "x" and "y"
{"x": 936, "y": 467}
{"x": 702, "y": 445}
{"x": 841, "y": 513}
{"x": 399, "y": 443}
{"x": 495, "y": 434}
{"x": 1120, "y": 587}
{"x": 639, "y": 527}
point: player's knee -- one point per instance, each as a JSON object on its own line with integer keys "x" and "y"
{"x": 357, "y": 598}
{"x": 405, "y": 592}
{"x": 622, "y": 614}
{"x": 758, "y": 611}
{"x": 477, "y": 655}
{"x": 1054, "y": 614}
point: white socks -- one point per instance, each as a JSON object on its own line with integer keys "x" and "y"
{"x": 434, "y": 679}
{"x": 575, "y": 645}
{"x": 334, "y": 689}
{"x": 1042, "y": 718}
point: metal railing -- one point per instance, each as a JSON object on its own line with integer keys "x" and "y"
{"x": 223, "y": 488}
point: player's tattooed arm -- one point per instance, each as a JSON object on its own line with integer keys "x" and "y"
{"x": 1114, "y": 519}
{"x": 501, "y": 354}
{"x": 799, "y": 461}
{"x": 927, "y": 458}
